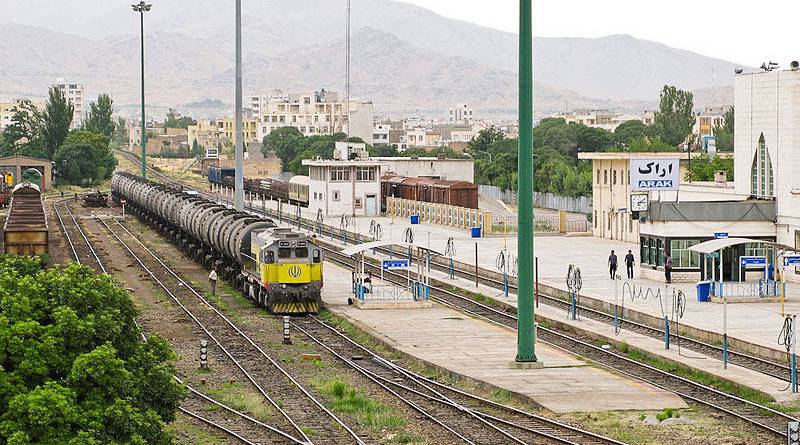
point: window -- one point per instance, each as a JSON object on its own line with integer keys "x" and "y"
{"x": 595, "y": 213}
{"x": 762, "y": 182}
{"x": 340, "y": 174}
{"x": 598, "y": 176}
{"x": 605, "y": 176}
{"x": 301, "y": 252}
{"x": 358, "y": 203}
{"x": 614, "y": 177}
{"x": 284, "y": 252}
{"x": 644, "y": 251}
{"x": 270, "y": 257}
{"x": 660, "y": 244}
{"x": 336, "y": 195}
{"x": 316, "y": 258}
{"x": 797, "y": 246}
{"x": 365, "y": 174}
{"x": 653, "y": 252}
{"x": 682, "y": 257}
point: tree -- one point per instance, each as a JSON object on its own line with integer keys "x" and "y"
{"x": 702, "y": 168}
{"x": 85, "y": 158}
{"x": 23, "y": 136}
{"x": 628, "y": 131}
{"x": 674, "y": 119}
{"x": 284, "y": 142}
{"x": 74, "y": 371}
{"x": 120, "y": 132}
{"x": 57, "y": 120}
{"x": 99, "y": 119}
{"x": 197, "y": 149}
{"x": 724, "y": 132}
{"x": 175, "y": 120}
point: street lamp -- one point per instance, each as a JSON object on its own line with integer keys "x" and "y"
{"x": 141, "y": 8}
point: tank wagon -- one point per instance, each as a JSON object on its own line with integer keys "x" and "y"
{"x": 25, "y": 230}
{"x": 276, "y": 268}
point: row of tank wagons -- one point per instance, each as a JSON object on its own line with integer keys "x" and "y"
{"x": 246, "y": 250}
{"x": 295, "y": 191}
{"x": 25, "y": 230}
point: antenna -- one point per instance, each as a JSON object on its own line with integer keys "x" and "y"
{"x": 347, "y": 72}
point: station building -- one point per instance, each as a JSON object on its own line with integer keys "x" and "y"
{"x": 762, "y": 205}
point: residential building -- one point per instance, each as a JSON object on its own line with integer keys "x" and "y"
{"x": 256, "y": 165}
{"x": 6, "y": 113}
{"x": 706, "y": 120}
{"x": 607, "y": 120}
{"x": 74, "y": 94}
{"x": 319, "y": 113}
{"x": 398, "y": 139}
{"x": 226, "y": 130}
{"x": 462, "y": 115}
{"x": 380, "y": 133}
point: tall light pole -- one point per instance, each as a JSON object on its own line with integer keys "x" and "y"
{"x": 239, "y": 183}
{"x": 526, "y": 335}
{"x": 141, "y": 8}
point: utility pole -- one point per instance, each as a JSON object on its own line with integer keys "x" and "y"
{"x": 347, "y": 71}
{"x": 237, "y": 115}
{"x": 141, "y": 8}
{"x": 526, "y": 334}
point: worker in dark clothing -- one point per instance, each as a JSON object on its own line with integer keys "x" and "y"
{"x": 668, "y": 269}
{"x": 612, "y": 264}
{"x": 629, "y": 264}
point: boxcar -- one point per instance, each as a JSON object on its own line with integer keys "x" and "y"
{"x": 25, "y": 230}
{"x": 298, "y": 190}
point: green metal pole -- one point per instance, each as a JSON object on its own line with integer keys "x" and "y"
{"x": 144, "y": 133}
{"x": 526, "y": 337}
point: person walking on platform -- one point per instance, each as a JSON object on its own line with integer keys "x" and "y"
{"x": 668, "y": 269}
{"x": 612, "y": 264}
{"x": 629, "y": 264}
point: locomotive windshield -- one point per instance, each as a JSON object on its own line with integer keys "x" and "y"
{"x": 301, "y": 252}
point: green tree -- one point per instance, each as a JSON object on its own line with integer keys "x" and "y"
{"x": 23, "y": 136}
{"x": 702, "y": 168}
{"x": 378, "y": 150}
{"x": 628, "y": 131}
{"x": 100, "y": 119}
{"x": 85, "y": 158}
{"x": 73, "y": 368}
{"x": 285, "y": 143}
{"x": 175, "y": 120}
{"x": 57, "y": 120}
{"x": 197, "y": 149}
{"x": 724, "y": 132}
{"x": 120, "y": 132}
{"x": 674, "y": 119}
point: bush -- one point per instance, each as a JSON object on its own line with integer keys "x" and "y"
{"x": 74, "y": 369}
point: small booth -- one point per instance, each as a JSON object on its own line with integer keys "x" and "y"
{"x": 393, "y": 285}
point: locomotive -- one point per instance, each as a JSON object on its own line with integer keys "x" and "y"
{"x": 276, "y": 268}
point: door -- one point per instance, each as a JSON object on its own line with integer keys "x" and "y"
{"x": 371, "y": 205}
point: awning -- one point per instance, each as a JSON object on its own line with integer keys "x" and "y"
{"x": 352, "y": 250}
{"x": 714, "y": 245}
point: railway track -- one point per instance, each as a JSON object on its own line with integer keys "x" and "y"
{"x": 477, "y": 420}
{"x": 268, "y": 377}
{"x": 764, "y": 417}
{"x": 233, "y": 423}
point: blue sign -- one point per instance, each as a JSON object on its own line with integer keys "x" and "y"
{"x": 720, "y": 235}
{"x": 753, "y": 261}
{"x": 395, "y": 264}
{"x": 791, "y": 260}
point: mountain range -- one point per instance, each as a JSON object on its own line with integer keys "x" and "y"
{"x": 404, "y": 58}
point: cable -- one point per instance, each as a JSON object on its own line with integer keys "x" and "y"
{"x": 450, "y": 248}
{"x": 785, "y": 339}
{"x": 574, "y": 284}
{"x": 408, "y": 235}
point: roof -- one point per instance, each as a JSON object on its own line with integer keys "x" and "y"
{"x": 299, "y": 179}
{"x": 352, "y": 250}
{"x": 717, "y": 244}
{"x": 25, "y": 158}
{"x": 634, "y": 155}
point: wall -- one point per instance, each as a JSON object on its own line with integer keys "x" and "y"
{"x": 450, "y": 169}
{"x": 611, "y": 192}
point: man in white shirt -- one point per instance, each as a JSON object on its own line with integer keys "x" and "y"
{"x": 212, "y": 279}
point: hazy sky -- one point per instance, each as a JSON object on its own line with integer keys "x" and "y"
{"x": 735, "y": 30}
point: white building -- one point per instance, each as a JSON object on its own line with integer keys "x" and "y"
{"x": 319, "y": 113}
{"x": 429, "y": 166}
{"x": 349, "y": 184}
{"x": 461, "y": 114}
{"x": 74, "y": 94}
{"x": 380, "y": 133}
{"x": 708, "y": 118}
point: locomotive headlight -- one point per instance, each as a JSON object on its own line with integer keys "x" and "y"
{"x": 283, "y": 286}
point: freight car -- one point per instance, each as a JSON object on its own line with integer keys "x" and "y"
{"x": 433, "y": 190}
{"x": 295, "y": 191}
{"x": 216, "y": 175}
{"x": 276, "y": 268}
{"x": 25, "y": 230}
{"x": 298, "y": 190}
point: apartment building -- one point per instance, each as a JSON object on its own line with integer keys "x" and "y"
{"x": 6, "y": 113}
{"x": 319, "y": 113}
{"x": 707, "y": 119}
{"x": 74, "y": 94}
{"x": 461, "y": 114}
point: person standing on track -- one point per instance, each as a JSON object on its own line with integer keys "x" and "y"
{"x": 612, "y": 264}
{"x": 212, "y": 279}
{"x": 629, "y": 260}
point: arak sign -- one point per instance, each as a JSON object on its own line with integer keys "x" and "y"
{"x": 655, "y": 174}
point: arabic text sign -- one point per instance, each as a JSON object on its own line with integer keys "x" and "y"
{"x": 395, "y": 264}
{"x": 748, "y": 261}
{"x": 655, "y": 174}
{"x": 791, "y": 260}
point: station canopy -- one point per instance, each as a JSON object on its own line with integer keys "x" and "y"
{"x": 714, "y": 245}
{"x": 352, "y": 250}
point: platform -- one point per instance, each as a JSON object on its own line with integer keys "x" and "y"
{"x": 482, "y": 351}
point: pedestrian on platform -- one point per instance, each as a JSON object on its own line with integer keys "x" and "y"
{"x": 629, "y": 264}
{"x": 612, "y": 264}
{"x": 212, "y": 279}
{"x": 668, "y": 269}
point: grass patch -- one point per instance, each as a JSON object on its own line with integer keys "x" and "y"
{"x": 367, "y": 411}
{"x": 189, "y": 433}
{"x": 308, "y": 430}
{"x": 409, "y": 439}
{"x": 501, "y": 395}
{"x": 701, "y": 377}
{"x": 241, "y": 399}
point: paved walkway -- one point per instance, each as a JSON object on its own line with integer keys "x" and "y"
{"x": 482, "y": 351}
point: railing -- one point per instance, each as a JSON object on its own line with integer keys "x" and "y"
{"x": 752, "y": 289}
{"x": 543, "y": 224}
{"x": 441, "y": 214}
{"x": 542, "y": 200}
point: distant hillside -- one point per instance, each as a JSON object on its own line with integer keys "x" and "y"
{"x": 404, "y": 57}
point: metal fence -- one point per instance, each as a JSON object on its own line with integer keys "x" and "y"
{"x": 752, "y": 289}
{"x": 549, "y": 223}
{"x": 580, "y": 204}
